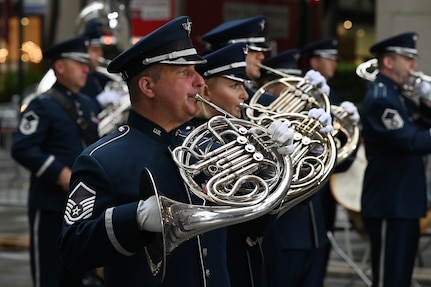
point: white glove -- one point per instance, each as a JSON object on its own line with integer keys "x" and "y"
{"x": 106, "y": 98}
{"x": 323, "y": 117}
{"x": 351, "y": 109}
{"x": 318, "y": 81}
{"x": 282, "y": 136}
{"x": 423, "y": 90}
{"x": 148, "y": 215}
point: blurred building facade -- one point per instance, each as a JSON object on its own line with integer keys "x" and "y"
{"x": 27, "y": 26}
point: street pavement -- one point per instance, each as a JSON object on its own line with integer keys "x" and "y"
{"x": 349, "y": 252}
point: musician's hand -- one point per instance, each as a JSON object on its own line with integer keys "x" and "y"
{"x": 64, "y": 178}
{"x": 423, "y": 90}
{"x": 351, "y": 109}
{"x": 106, "y": 98}
{"x": 148, "y": 215}
{"x": 283, "y": 136}
{"x": 324, "y": 117}
{"x": 318, "y": 81}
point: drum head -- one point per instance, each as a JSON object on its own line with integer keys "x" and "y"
{"x": 346, "y": 187}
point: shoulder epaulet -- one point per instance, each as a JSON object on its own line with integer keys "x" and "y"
{"x": 380, "y": 90}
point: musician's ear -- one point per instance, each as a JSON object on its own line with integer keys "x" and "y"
{"x": 146, "y": 85}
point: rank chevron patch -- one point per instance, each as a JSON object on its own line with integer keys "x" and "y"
{"x": 392, "y": 120}
{"x": 80, "y": 204}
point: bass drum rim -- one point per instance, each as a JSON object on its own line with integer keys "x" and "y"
{"x": 346, "y": 188}
{"x": 350, "y": 199}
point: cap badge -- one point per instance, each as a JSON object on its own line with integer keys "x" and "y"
{"x": 188, "y": 26}
{"x": 262, "y": 25}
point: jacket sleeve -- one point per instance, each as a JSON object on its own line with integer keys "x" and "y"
{"x": 29, "y": 140}
{"x": 98, "y": 227}
{"x": 396, "y": 130}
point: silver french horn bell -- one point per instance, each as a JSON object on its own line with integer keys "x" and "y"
{"x": 245, "y": 178}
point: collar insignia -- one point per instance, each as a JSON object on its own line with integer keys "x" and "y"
{"x": 157, "y": 131}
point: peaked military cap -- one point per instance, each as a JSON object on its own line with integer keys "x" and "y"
{"x": 404, "y": 44}
{"x": 249, "y": 30}
{"x": 285, "y": 62}
{"x": 169, "y": 44}
{"x": 228, "y": 62}
{"x": 94, "y": 32}
{"x": 326, "y": 48}
{"x": 74, "y": 48}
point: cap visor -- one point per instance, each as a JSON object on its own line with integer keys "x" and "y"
{"x": 237, "y": 78}
{"x": 259, "y": 47}
{"x": 186, "y": 60}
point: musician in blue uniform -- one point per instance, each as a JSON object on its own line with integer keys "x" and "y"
{"x": 322, "y": 56}
{"x": 47, "y": 142}
{"x": 396, "y": 146}
{"x": 294, "y": 245}
{"x": 224, "y": 75}
{"x": 111, "y": 218}
{"x": 95, "y": 34}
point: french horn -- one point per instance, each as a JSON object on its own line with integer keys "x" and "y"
{"x": 313, "y": 158}
{"x": 115, "y": 114}
{"x": 299, "y": 96}
{"x": 245, "y": 178}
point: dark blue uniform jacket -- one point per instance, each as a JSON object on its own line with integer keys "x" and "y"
{"x": 396, "y": 145}
{"x": 47, "y": 140}
{"x": 106, "y": 180}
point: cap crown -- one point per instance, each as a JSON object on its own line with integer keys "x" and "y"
{"x": 250, "y": 30}
{"x": 169, "y": 44}
{"x": 285, "y": 62}
{"x": 326, "y": 48}
{"x": 228, "y": 61}
{"x": 404, "y": 44}
{"x": 74, "y": 48}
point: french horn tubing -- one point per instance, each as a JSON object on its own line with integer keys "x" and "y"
{"x": 233, "y": 166}
{"x": 298, "y": 97}
{"x": 367, "y": 70}
{"x": 313, "y": 158}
